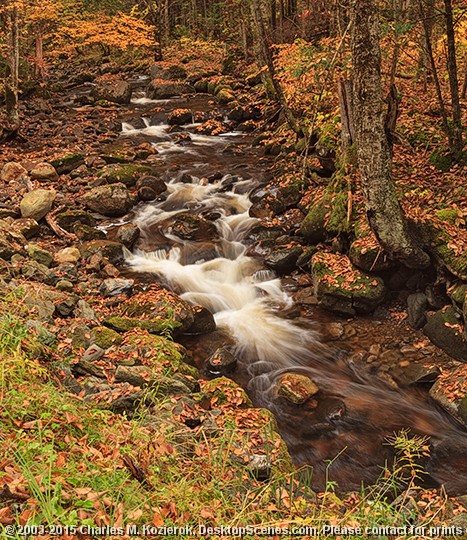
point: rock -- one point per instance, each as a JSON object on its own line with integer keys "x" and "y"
{"x": 120, "y": 155}
{"x": 159, "y": 89}
{"x": 87, "y": 234}
{"x": 174, "y": 71}
{"x": 204, "y": 322}
{"x": 48, "y": 301}
{"x": 86, "y": 364}
{"x": 11, "y": 241}
{"x": 445, "y": 330}
{"x": 12, "y": 172}
{"x": 67, "y": 163}
{"x": 156, "y": 310}
{"x": 28, "y": 227}
{"x": 125, "y": 174}
{"x": 333, "y": 331}
{"x": 68, "y": 255}
{"x": 40, "y": 255}
{"x": 366, "y": 253}
{"x": 417, "y": 305}
{"x": 105, "y": 337}
{"x": 37, "y": 203}
{"x": 128, "y": 235}
{"x": 84, "y": 311}
{"x": 65, "y": 285}
{"x": 115, "y": 287}
{"x": 450, "y": 391}
{"x": 179, "y": 117}
{"x": 112, "y": 200}
{"x": 115, "y": 91}
{"x": 149, "y": 188}
{"x": 283, "y": 261}
{"x": 242, "y": 113}
{"x": 267, "y": 200}
{"x": 416, "y": 373}
{"x": 222, "y": 362}
{"x": 43, "y": 334}
{"x": 44, "y": 171}
{"x": 134, "y": 375}
{"x": 68, "y": 219}
{"x": 113, "y": 251}
{"x": 260, "y": 466}
{"x": 93, "y": 353}
{"x": 342, "y": 288}
{"x": 295, "y": 388}
{"x": 190, "y": 227}
{"x": 35, "y": 271}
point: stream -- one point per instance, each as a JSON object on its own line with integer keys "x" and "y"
{"x": 355, "y": 410}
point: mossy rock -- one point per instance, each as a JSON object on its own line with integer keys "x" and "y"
{"x": 450, "y": 391}
{"x": 68, "y": 219}
{"x": 201, "y": 86}
{"x": 67, "y": 163}
{"x": 445, "y": 330}
{"x": 125, "y": 324}
{"x": 105, "y": 337}
{"x": 126, "y": 174}
{"x": 458, "y": 294}
{"x": 326, "y": 218}
{"x": 450, "y": 215}
{"x": 366, "y": 252}
{"x": 118, "y": 156}
{"x": 113, "y": 251}
{"x": 223, "y": 391}
{"x": 442, "y": 244}
{"x": 343, "y": 288}
{"x": 225, "y": 95}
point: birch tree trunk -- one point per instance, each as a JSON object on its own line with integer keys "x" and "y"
{"x": 383, "y": 209}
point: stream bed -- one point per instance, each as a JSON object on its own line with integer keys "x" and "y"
{"x": 270, "y": 324}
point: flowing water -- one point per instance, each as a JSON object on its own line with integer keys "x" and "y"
{"x": 211, "y": 176}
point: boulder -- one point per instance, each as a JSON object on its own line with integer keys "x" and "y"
{"x": 190, "y": 227}
{"x": 68, "y": 219}
{"x": 150, "y": 187}
{"x": 160, "y": 89}
{"x": 283, "y": 261}
{"x": 115, "y": 91}
{"x": 116, "y": 286}
{"x": 67, "y": 255}
{"x": 179, "y": 117}
{"x": 37, "y": 203}
{"x": 44, "y": 171}
{"x": 222, "y": 362}
{"x": 417, "y": 305}
{"x": 273, "y": 200}
{"x": 12, "y": 172}
{"x": 40, "y": 255}
{"x": 112, "y": 251}
{"x": 67, "y": 163}
{"x": 120, "y": 155}
{"x": 450, "y": 391}
{"x": 342, "y": 288}
{"x": 128, "y": 235}
{"x": 172, "y": 72}
{"x": 127, "y": 174}
{"x": 204, "y": 322}
{"x": 112, "y": 200}
{"x": 445, "y": 330}
{"x": 295, "y": 388}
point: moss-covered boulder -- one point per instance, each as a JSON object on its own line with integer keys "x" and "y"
{"x": 156, "y": 310}
{"x": 67, "y": 163}
{"x": 105, "y": 337}
{"x": 366, "y": 252}
{"x": 343, "y": 288}
{"x": 450, "y": 391}
{"x": 445, "y": 329}
{"x": 127, "y": 174}
{"x": 224, "y": 392}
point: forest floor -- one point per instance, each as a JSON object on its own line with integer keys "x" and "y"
{"x": 68, "y": 465}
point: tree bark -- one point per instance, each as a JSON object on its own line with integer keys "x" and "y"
{"x": 12, "y": 80}
{"x": 453, "y": 81}
{"x": 383, "y": 209}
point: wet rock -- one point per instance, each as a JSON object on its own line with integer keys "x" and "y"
{"x": 67, "y": 163}
{"x": 40, "y": 255}
{"x": 70, "y": 255}
{"x": 267, "y": 200}
{"x": 417, "y": 305}
{"x": 260, "y": 466}
{"x": 44, "y": 171}
{"x": 128, "y": 235}
{"x": 190, "y": 227}
{"x": 416, "y": 373}
{"x": 180, "y": 117}
{"x": 127, "y": 174}
{"x": 150, "y": 187}
{"x": 342, "y": 288}
{"x": 295, "y": 388}
{"x": 37, "y": 203}
{"x": 115, "y": 287}
{"x": 113, "y": 251}
{"x": 450, "y": 391}
{"x": 222, "y": 362}
{"x": 283, "y": 261}
{"x": 118, "y": 91}
{"x": 120, "y": 155}
{"x": 28, "y": 227}
{"x": 331, "y": 410}
{"x": 445, "y": 330}
{"x": 112, "y": 200}
{"x": 204, "y": 322}
{"x": 12, "y": 172}
{"x": 68, "y": 219}
{"x": 333, "y": 331}
{"x": 159, "y": 89}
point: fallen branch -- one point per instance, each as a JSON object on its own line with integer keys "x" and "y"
{"x": 50, "y": 219}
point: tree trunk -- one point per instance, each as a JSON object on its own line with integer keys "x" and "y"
{"x": 346, "y": 110}
{"x": 39, "y": 65}
{"x": 11, "y": 81}
{"x": 383, "y": 209}
{"x": 453, "y": 82}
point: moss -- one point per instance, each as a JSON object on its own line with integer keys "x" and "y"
{"x": 225, "y": 391}
{"x": 441, "y": 160}
{"x": 68, "y": 162}
{"x": 458, "y": 293}
{"x": 105, "y": 337}
{"x": 127, "y": 174}
{"x": 156, "y": 326}
{"x": 337, "y": 220}
{"x": 448, "y": 214}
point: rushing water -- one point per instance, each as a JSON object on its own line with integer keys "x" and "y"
{"x": 355, "y": 411}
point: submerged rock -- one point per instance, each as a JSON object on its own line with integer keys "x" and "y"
{"x": 221, "y": 362}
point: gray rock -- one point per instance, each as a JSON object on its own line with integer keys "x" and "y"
{"x": 37, "y": 203}
{"x": 40, "y": 255}
{"x": 128, "y": 235}
{"x": 114, "y": 287}
{"x": 134, "y": 375}
{"x": 150, "y": 187}
{"x": 111, "y": 200}
{"x": 84, "y": 311}
{"x": 445, "y": 330}
{"x": 283, "y": 261}
{"x": 115, "y": 91}
{"x": 417, "y": 305}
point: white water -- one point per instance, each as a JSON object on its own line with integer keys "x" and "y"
{"x": 242, "y": 296}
